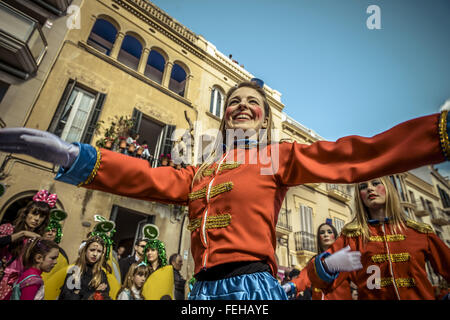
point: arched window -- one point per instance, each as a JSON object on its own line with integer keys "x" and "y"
{"x": 155, "y": 66}
{"x": 217, "y": 102}
{"x": 103, "y": 36}
{"x": 130, "y": 52}
{"x": 178, "y": 80}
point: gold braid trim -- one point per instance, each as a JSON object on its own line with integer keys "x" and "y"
{"x": 395, "y": 257}
{"x": 401, "y": 282}
{"x": 351, "y": 230}
{"x": 443, "y": 136}
{"x": 212, "y": 222}
{"x": 225, "y": 166}
{"x": 216, "y": 190}
{"x": 389, "y": 237}
{"x": 421, "y": 227}
{"x": 94, "y": 171}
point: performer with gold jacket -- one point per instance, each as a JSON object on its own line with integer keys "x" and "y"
{"x": 394, "y": 249}
{"x": 234, "y": 197}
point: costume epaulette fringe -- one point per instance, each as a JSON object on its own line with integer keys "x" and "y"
{"x": 351, "y": 229}
{"x": 419, "y": 226}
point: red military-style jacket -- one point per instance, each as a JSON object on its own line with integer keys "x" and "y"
{"x": 233, "y": 209}
{"x": 342, "y": 292}
{"x": 393, "y": 263}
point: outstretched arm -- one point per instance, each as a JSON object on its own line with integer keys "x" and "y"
{"x": 100, "y": 169}
{"x": 409, "y": 145}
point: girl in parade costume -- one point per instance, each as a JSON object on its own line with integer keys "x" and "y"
{"x": 234, "y": 204}
{"x": 160, "y": 283}
{"x": 41, "y": 256}
{"x": 394, "y": 249}
{"x": 87, "y": 275}
{"x": 30, "y": 223}
{"x": 134, "y": 281}
{"x": 155, "y": 255}
{"x": 326, "y": 236}
{"x": 53, "y": 232}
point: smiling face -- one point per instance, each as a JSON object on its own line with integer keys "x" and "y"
{"x": 245, "y": 110}
{"x": 94, "y": 252}
{"x": 373, "y": 194}
{"x": 326, "y": 236}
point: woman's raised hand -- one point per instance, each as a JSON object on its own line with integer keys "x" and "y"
{"x": 39, "y": 144}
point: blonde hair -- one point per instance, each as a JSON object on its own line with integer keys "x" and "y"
{"x": 97, "y": 268}
{"x": 135, "y": 268}
{"x": 393, "y": 210}
{"x": 212, "y": 157}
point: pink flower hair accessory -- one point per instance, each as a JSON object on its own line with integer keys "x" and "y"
{"x": 45, "y": 196}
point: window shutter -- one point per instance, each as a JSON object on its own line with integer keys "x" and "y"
{"x": 167, "y": 142}
{"x": 62, "y": 103}
{"x": 137, "y": 117}
{"x": 93, "y": 118}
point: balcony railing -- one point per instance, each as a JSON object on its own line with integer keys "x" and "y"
{"x": 439, "y": 217}
{"x": 305, "y": 241}
{"x": 338, "y": 192}
{"x": 284, "y": 220}
{"x": 420, "y": 210}
{"x": 22, "y": 43}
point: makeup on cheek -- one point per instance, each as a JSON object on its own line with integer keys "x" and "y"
{"x": 381, "y": 190}
{"x": 257, "y": 111}
{"x": 228, "y": 112}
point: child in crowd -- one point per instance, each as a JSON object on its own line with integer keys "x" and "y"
{"x": 87, "y": 276}
{"x": 30, "y": 223}
{"x": 40, "y": 256}
{"x": 133, "y": 283}
{"x": 53, "y": 232}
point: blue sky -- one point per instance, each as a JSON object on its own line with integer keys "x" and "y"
{"x": 336, "y": 76}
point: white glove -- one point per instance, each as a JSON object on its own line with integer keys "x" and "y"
{"x": 39, "y": 144}
{"x": 343, "y": 260}
{"x": 286, "y": 287}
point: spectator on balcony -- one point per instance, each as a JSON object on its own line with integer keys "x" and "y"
{"x": 393, "y": 248}
{"x": 234, "y": 205}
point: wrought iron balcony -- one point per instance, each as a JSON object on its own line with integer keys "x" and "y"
{"x": 284, "y": 220}
{"x": 22, "y": 43}
{"x": 305, "y": 241}
{"x": 420, "y": 210}
{"x": 439, "y": 217}
{"x": 338, "y": 192}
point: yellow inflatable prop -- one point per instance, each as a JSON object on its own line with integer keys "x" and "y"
{"x": 54, "y": 283}
{"x": 61, "y": 262}
{"x": 159, "y": 285}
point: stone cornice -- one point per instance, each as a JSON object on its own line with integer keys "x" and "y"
{"x": 178, "y": 33}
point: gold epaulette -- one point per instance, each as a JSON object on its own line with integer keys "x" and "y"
{"x": 351, "y": 229}
{"x": 419, "y": 226}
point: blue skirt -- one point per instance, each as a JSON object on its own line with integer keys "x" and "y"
{"x": 254, "y": 286}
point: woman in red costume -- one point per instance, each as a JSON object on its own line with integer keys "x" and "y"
{"x": 234, "y": 197}
{"x": 394, "y": 249}
{"x": 326, "y": 236}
